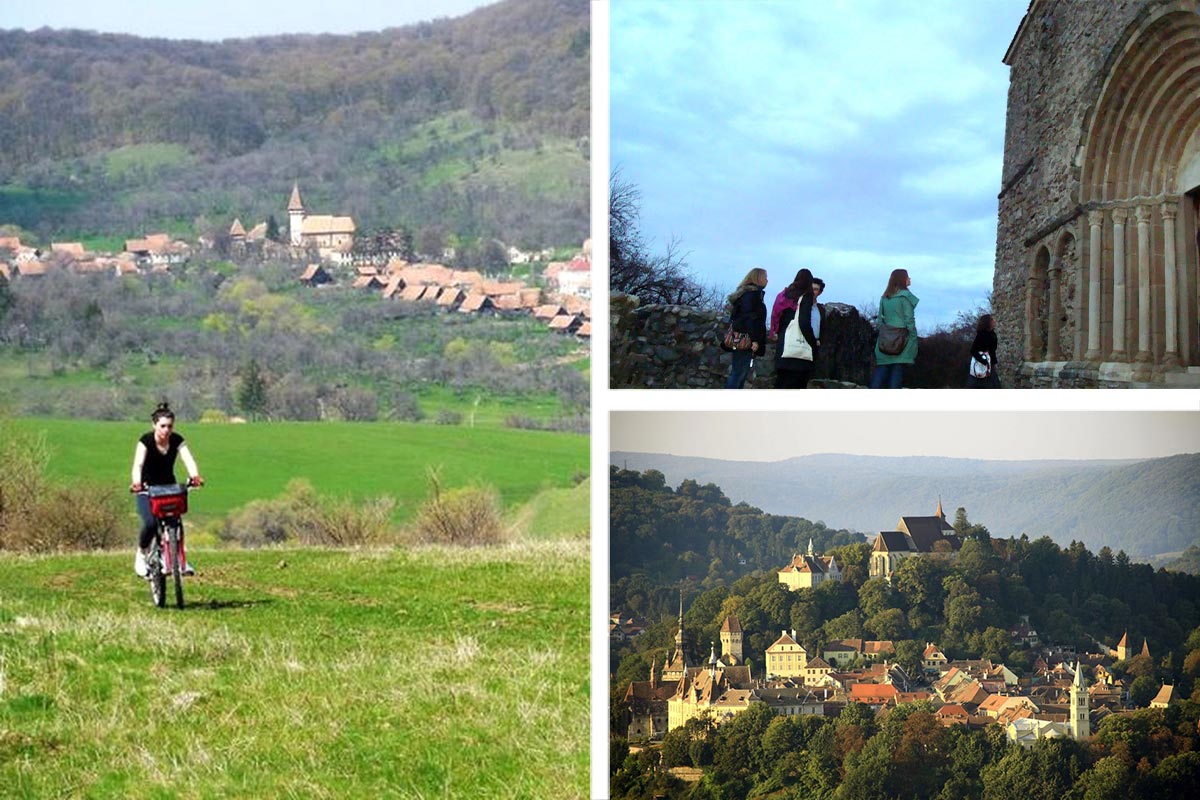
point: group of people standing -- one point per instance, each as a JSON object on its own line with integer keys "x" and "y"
{"x": 895, "y": 349}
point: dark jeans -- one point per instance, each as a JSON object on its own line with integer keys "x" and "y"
{"x": 888, "y": 376}
{"x": 992, "y": 381}
{"x": 793, "y": 378}
{"x": 740, "y": 370}
{"x": 149, "y": 523}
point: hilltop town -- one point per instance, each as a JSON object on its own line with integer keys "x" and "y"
{"x": 330, "y": 254}
{"x": 811, "y": 676}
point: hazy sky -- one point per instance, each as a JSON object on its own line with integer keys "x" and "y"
{"x": 226, "y": 19}
{"x": 847, "y": 137}
{"x": 993, "y": 435}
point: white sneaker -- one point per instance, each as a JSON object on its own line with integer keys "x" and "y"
{"x": 188, "y": 569}
{"x": 139, "y": 563}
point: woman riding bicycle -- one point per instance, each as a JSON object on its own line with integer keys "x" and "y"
{"x": 154, "y": 465}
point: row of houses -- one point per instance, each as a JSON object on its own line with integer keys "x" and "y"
{"x": 467, "y": 292}
{"x": 155, "y": 252}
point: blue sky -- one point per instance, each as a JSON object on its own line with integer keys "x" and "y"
{"x": 213, "y": 20}
{"x": 847, "y": 137}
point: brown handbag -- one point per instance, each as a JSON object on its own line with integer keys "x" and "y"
{"x": 736, "y": 340}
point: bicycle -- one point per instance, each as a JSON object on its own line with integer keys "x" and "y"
{"x": 168, "y": 504}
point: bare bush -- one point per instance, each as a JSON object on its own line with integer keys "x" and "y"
{"x": 300, "y": 514}
{"x": 447, "y": 416}
{"x": 406, "y": 408}
{"x": 293, "y": 398}
{"x": 347, "y": 522}
{"x": 259, "y": 523}
{"x": 72, "y": 517}
{"x": 37, "y": 516}
{"x": 356, "y": 405}
{"x": 466, "y": 516}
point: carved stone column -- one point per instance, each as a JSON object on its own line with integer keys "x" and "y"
{"x": 1143, "y": 230}
{"x": 1171, "y": 356}
{"x": 1119, "y": 215}
{"x": 1030, "y": 305}
{"x": 1095, "y": 259}
{"x": 1053, "y": 311}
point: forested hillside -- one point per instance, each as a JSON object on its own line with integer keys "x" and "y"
{"x": 472, "y": 127}
{"x": 1142, "y": 507}
{"x": 1069, "y": 593}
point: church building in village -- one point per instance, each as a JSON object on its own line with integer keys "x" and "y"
{"x": 914, "y": 536}
{"x": 332, "y": 237}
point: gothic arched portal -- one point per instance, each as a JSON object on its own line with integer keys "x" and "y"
{"x": 1141, "y": 160}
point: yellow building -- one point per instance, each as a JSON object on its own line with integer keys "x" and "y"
{"x": 809, "y": 571}
{"x": 786, "y": 658}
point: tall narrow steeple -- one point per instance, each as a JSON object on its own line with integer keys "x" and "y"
{"x": 1080, "y": 721}
{"x": 679, "y": 635}
{"x": 295, "y": 211}
{"x": 939, "y": 513}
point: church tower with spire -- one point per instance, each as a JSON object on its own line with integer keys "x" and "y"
{"x": 675, "y": 669}
{"x": 295, "y": 216}
{"x": 1081, "y": 724}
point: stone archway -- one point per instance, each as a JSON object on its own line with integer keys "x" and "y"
{"x": 1141, "y": 158}
{"x": 1062, "y": 300}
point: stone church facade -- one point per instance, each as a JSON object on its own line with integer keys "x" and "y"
{"x": 1096, "y": 280}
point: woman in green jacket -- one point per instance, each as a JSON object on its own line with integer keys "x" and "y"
{"x": 897, "y": 308}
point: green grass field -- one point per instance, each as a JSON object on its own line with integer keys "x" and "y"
{"x": 298, "y": 673}
{"x": 256, "y": 461}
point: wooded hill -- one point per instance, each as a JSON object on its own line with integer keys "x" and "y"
{"x": 1142, "y": 507}
{"x": 475, "y": 126}
{"x": 967, "y": 605}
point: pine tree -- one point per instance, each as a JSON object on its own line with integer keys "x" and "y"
{"x": 252, "y": 391}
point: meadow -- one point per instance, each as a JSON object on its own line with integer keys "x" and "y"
{"x": 433, "y": 672}
{"x": 344, "y": 459}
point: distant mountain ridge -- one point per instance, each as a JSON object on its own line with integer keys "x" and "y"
{"x": 476, "y": 125}
{"x": 1144, "y": 507}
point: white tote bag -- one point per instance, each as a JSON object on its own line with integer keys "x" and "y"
{"x": 981, "y": 369}
{"x": 794, "y": 343}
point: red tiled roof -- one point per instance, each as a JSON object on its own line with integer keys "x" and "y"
{"x": 325, "y": 224}
{"x": 475, "y": 302}
{"x": 74, "y": 249}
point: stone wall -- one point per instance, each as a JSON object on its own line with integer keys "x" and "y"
{"x": 677, "y": 347}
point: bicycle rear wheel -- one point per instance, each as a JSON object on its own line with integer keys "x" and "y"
{"x": 177, "y": 563}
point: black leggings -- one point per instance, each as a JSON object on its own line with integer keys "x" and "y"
{"x": 149, "y": 523}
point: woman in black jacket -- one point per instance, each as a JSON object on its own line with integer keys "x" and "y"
{"x": 983, "y": 352}
{"x": 794, "y": 373}
{"x": 748, "y": 314}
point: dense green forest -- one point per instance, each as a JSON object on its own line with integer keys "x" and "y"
{"x": 1072, "y": 597}
{"x": 473, "y": 127}
{"x": 221, "y": 339}
{"x": 695, "y": 532}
